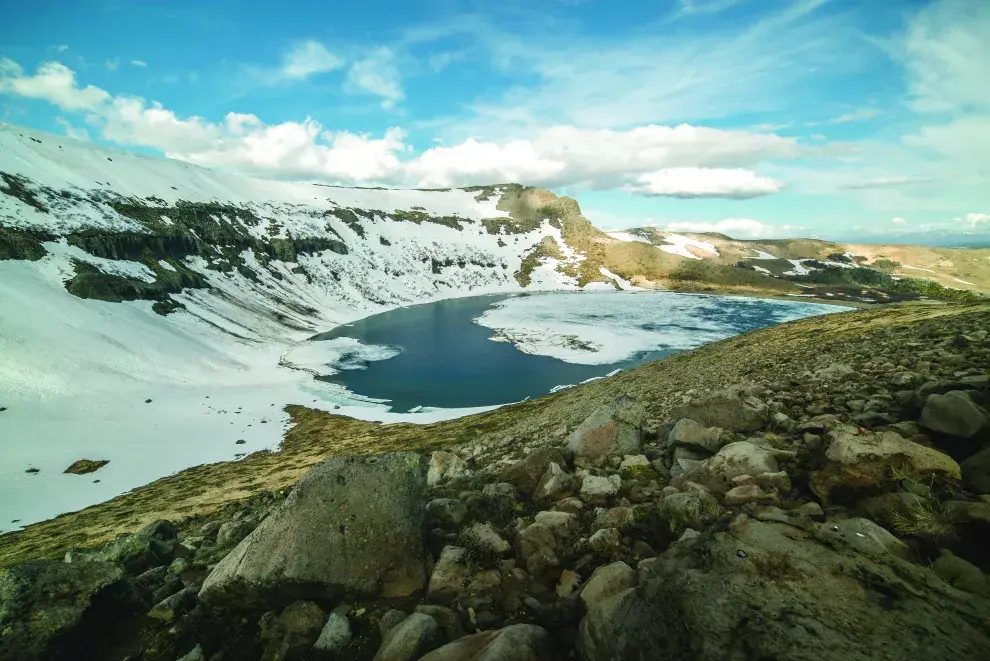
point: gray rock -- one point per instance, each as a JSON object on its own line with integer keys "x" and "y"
{"x": 483, "y": 540}
{"x": 613, "y": 429}
{"x": 448, "y": 620}
{"x": 42, "y": 602}
{"x": 688, "y": 433}
{"x": 174, "y": 605}
{"x": 196, "y": 654}
{"x": 686, "y": 460}
{"x": 447, "y": 510}
{"x": 410, "y": 639}
{"x": 352, "y": 524}
{"x": 775, "y": 591}
{"x": 210, "y": 529}
{"x": 727, "y": 410}
{"x": 449, "y": 575}
{"x": 445, "y": 466}
{"x": 953, "y": 413}
{"x": 863, "y": 460}
{"x": 390, "y": 620}
{"x": 561, "y": 524}
{"x": 960, "y": 574}
{"x": 608, "y": 581}
{"x": 976, "y": 471}
{"x": 526, "y": 475}
{"x": 605, "y": 542}
{"x": 232, "y": 532}
{"x": 690, "y": 509}
{"x": 519, "y": 642}
{"x": 336, "y": 635}
{"x": 740, "y": 458}
{"x": 597, "y": 490}
{"x": 537, "y": 547}
{"x": 555, "y": 484}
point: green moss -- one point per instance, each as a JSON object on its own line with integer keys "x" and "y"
{"x": 17, "y": 187}
{"x": 23, "y": 244}
{"x": 638, "y": 472}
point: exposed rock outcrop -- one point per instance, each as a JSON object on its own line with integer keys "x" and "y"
{"x": 351, "y": 525}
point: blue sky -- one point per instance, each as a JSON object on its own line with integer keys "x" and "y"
{"x": 755, "y": 117}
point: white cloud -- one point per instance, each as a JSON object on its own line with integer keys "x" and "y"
{"x": 683, "y": 161}
{"x": 112, "y": 64}
{"x": 139, "y": 63}
{"x": 377, "y": 74}
{"x": 973, "y": 220}
{"x": 307, "y": 59}
{"x": 947, "y": 56}
{"x": 52, "y": 82}
{"x": 705, "y": 182}
{"x": 691, "y": 7}
{"x": 738, "y": 228}
{"x": 72, "y": 131}
{"x": 898, "y": 221}
{"x": 886, "y": 182}
{"x": 61, "y": 48}
{"x": 854, "y": 116}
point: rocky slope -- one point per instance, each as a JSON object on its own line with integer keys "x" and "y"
{"x": 828, "y": 269}
{"x": 814, "y": 490}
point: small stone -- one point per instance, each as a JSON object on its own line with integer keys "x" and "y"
{"x": 691, "y": 434}
{"x": 336, "y": 634}
{"x": 561, "y": 524}
{"x": 445, "y": 466}
{"x": 172, "y": 607}
{"x": 482, "y": 538}
{"x": 196, "y": 654}
{"x": 410, "y": 639}
{"x": 605, "y": 542}
{"x": 568, "y": 583}
{"x": 608, "y": 581}
{"x": 953, "y": 413}
{"x": 750, "y": 493}
{"x": 390, "y": 620}
{"x": 447, "y": 510}
{"x": 232, "y": 532}
{"x": 596, "y": 489}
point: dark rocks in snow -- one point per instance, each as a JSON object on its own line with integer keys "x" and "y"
{"x": 84, "y": 466}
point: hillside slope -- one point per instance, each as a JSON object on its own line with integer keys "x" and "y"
{"x": 941, "y": 270}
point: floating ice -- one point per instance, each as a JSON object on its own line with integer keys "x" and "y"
{"x": 597, "y": 328}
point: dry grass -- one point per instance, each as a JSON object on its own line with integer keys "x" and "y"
{"x": 774, "y": 353}
{"x": 927, "y": 519}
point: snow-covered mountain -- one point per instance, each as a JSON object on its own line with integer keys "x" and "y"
{"x": 126, "y": 278}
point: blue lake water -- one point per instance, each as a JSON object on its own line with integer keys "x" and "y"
{"x": 443, "y": 359}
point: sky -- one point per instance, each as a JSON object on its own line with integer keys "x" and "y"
{"x": 759, "y": 118}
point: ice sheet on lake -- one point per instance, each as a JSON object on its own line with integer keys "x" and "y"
{"x": 328, "y": 357}
{"x": 596, "y": 328}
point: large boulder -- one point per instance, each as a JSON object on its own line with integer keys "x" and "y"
{"x": 526, "y": 474}
{"x": 976, "y": 471}
{"x": 690, "y": 434}
{"x": 795, "y": 591}
{"x": 519, "y": 642}
{"x": 737, "y": 459}
{"x": 43, "y": 603}
{"x": 858, "y": 459}
{"x": 353, "y": 525}
{"x": 953, "y": 413}
{"x": 726, "y": 409}
{"x": 614, "y": 429}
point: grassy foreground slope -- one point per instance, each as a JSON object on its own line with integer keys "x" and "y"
{"x": 780, "y": 353}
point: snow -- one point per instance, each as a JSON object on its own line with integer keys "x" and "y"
{"x": 624, "y": 284}
{"x": 799, "y": 268}
{"x": 964, "y": 282}
{"x": 917, "y": 268}
{"x": 627, "y": 237}
{"x": 760, "y": 254}
{"x": 328, "y": 357}
{"x": 762, "y": 270}
{"x": 678, "y": 245}
{"x": 597, "y": 328}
